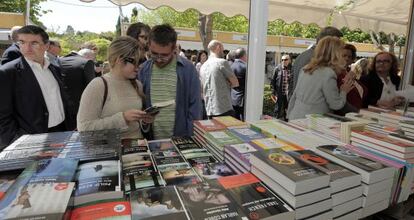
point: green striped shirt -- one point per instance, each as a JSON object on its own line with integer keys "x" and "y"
{"x": 163, "y": 88}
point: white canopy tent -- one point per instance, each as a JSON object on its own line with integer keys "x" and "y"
{"x": 376, "y": 15}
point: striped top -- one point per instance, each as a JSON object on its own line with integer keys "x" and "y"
{"x": 163, "y": 88}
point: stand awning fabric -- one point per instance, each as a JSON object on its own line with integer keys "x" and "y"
{"x": 390, "y": 16}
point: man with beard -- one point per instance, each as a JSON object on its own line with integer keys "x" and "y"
{"x": 165, "y": 77}
{"x": 217, "y": 80}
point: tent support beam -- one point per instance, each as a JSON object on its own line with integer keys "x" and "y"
{"x": 256, "y": 59}
{"x": 409, "y": 52}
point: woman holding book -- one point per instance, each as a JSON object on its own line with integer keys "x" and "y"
{"x": 317, "y": 91}
{"x": 114, "y": 101}
{"x": 383, "y": 81}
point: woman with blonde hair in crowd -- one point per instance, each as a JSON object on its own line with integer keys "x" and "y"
{"x": 115, "y": 99}
{"x": 317, "y": 90}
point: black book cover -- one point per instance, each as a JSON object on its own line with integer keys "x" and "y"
{"x": 160, "y": 203}
{"x": 208, "y": 201}
{"x": 296, "y": 170}
{"x": 334, "y": 170}
{"x": 213, "y": 170}
{"x": 180, "y": 176}
{"x": 254, "y": 198}
{"x": 352, "y": 157}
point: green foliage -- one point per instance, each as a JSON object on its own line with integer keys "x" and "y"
{"x": 73, "y": 42}
{"x": 233, "y": 24}
{"x": 19, "y": 6}
{"x": 268, "y": 104}
{"x": 356, "y": 35}
{"x": 102, "y": 45}
{"x": 162, "y": 15}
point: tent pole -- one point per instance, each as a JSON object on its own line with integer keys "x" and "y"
{"x": 409, "y": 50}
{"x": 256, "y": 59}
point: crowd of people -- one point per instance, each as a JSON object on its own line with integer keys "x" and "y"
{"x": 41, "y": 91}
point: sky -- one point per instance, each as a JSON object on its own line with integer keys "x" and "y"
{"x": 98, "y": 16}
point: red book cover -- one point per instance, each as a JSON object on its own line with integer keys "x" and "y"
{"x": 102, "y": 210}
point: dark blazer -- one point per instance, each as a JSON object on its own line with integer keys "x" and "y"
{"x": 23, "y": 109}
{"x": 11, "y": 53}
{"x": 76, "y": 73}
{"x": 237, "y": 94}
{"x": 374, "y": 85}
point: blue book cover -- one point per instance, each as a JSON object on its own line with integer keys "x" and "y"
{"x": 246, "y": 134}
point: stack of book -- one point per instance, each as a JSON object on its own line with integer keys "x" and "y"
{"x": 395, "y": 145}
{"x": 85, "y": 146}
{"x": 237, "y": 156}
{"x": 393, "y": 118}
{"x": 229, "y": 121}
{"x": 360, "y": 117}
{"x": 216, "y": 140}
{"x": 345, "y": 185}
{"x": 408, "y": 127}
{"x": 371, "y": 171}
{"x": 234, "y": 197}
{"x": 373, "y": 112}
{"x": 301, "y": 185}
{"x": 42, "y": 191}
{"x": 275, "y": 128}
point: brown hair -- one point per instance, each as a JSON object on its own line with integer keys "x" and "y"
{"x": 328, "y": 53}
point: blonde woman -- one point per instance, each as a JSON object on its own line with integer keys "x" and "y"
{"x": 121, "y": 107}
{"x": 316, "y": 90}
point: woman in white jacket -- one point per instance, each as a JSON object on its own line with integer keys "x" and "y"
{"x": 317, "y": 90}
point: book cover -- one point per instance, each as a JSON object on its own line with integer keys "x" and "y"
{"x": 160, "y": 145}
{"x": 6, "y": 181}
{"x": 213, "y": 170}
{"x": 241, "y": 152}
{"x": 180, "y": 176}
{"x": 182, "y": 140}
{"x": 352, "y": 157}
{"x": 36, "y": 201}
{"x": 293, "y": 174}
{"x": 208, "y": 201}
{"x": 98, "y": 180}
{"x": 254, "y": 198}
{"x": 246, "y": 134}
{"x": 221, "y": 138}
{"x": 208, "y": 125}
{"x": 229, "y": 121}
{"x": 334, "y": 170}
{"x": 117, "y": 209}
{"x": 52, "y": 170}
{"x": 134, "y": 146}
{"x": 161, "y": 203}
{"x": 272, "y": 143}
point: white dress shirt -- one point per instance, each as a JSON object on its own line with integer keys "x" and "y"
{"x": 50, "y": 90}
{"x": 388, "y": 90}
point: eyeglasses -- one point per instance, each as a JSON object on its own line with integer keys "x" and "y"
{"x": 131, "y": 60}
{"x": 32, "y": 44}
{"x": 383, "y": 61}
{"x": 285, "y": 59}
{"x": 160, "y": 57}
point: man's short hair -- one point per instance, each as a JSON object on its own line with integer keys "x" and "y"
{"x": 135, "y": 29}
{"x": 213, "y": 44}
{"x": 285, "y": 56}
{"x": 85, "y": 52}
{"x": 163, "y": 35}
{"x": 35, "y": 30}
{"x": 54, "y": 42}
{"x": 13, "y": 33}
{"x": 329, "y": 31}
{"x": 240, "y": 52}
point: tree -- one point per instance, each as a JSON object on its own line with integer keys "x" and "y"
{"x": 19, "y": 6}
{"x": 205, "y": 27}
{"x": 70, "y": 30}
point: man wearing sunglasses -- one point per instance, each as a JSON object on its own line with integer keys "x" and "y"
{"x": 167, "y": 77}
{"x": 282, "y": 83}
{"x": 31, "y": 95}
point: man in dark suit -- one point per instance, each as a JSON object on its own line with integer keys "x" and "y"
{"x": 282, "y": 83}
{"x": 77, "y": 71}
{"x": 12, "y": 52}
{"x": 31, "y": 95}
{"x": 237, "y": 93}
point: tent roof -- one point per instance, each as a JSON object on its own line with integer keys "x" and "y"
{"x": 377, "y": 15}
